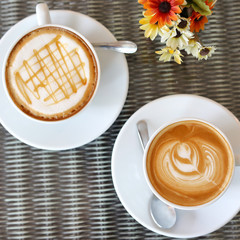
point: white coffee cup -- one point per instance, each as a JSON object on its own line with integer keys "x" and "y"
{"x": 44, "y": 21}
{"x": 171, "y": 163}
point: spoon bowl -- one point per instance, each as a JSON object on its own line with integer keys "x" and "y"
{"x": 162, "y": 214}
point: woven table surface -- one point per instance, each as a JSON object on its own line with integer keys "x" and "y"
{"x": 70, "y": 194}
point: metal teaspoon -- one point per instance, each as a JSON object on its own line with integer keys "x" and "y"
{"x": 163, "y": 215}
{"x": 118, "y": 46}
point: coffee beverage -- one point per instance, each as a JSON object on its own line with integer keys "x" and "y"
{"x": 189, "y": 163}
{"x": 51, "y": 73}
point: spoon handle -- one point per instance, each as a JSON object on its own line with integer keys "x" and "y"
{"x": 163, "y": 215}
{"x": 143, "y": 133}
{"x": 119, "y": 46}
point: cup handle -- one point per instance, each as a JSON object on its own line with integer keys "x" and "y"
{"x": 43, "y": 16}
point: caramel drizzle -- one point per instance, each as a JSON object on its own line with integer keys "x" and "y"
{"x": 62, "y": 75}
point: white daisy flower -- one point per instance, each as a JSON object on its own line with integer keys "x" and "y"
{"x": 205, "y": 52}
{"x": 193, "y": 47}
{"x": 179, "y": 39}
{"x": 168, "y": 53}
{"x": 183, "y": 24}
{"x": 151, "y": 30}
{"x": 165, "y": 33}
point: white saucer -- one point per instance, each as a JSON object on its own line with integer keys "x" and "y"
{"x": 127, "y": 171}
{"x": 97, "y": 117}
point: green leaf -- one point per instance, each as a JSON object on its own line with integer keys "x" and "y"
{"x": 199, "y": 6}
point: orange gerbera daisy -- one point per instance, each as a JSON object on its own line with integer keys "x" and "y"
{"x": 142, "y": 1}
{"x": 163, "y": 11}
{"x": 198, "y": 21}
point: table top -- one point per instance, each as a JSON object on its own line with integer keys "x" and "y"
{"x": 70, "y": 194}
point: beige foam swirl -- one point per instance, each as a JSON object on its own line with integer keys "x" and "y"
{"x": 190, "y": 164}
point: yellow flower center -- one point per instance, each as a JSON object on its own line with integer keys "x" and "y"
{"x": 171, "y": 51}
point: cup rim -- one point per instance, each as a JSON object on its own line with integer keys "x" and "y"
{"x": 9, "y": 52}
{"x": 182, "y": 207}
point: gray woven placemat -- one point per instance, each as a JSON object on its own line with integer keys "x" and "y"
{"x": 70, "y": 194}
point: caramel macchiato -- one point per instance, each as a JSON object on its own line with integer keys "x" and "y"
{"x": 189, "y": 163}
{"x": 51, "y": 73}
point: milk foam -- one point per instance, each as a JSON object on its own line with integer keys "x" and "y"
{"x": 40, "y": 100}
{"x": 190, "y": 165}
{"x": 182, "y": 163}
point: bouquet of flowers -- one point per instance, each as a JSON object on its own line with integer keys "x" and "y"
{"x": 178, "y": 23}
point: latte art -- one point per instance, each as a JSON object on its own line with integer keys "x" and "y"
{"x": 189, "y": 163}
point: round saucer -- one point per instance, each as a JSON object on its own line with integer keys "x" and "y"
{"x": 127, "y": 170}
{"x": 97, "y": 117}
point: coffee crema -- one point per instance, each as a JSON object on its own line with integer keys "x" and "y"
{"x": 51, "y": 73}
{"x": 189, "y": 163}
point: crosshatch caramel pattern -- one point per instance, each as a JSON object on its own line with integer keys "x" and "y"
{"x": 53, "y": 68}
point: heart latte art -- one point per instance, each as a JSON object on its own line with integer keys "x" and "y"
{"x": 189, "y": 163}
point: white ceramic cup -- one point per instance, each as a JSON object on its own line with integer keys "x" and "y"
{"x": 147, "y": 177}
{"x": 44, "y": 20}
